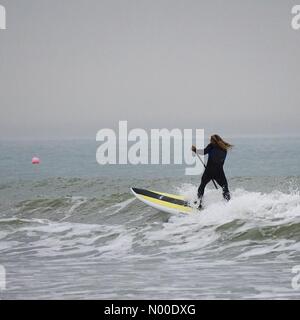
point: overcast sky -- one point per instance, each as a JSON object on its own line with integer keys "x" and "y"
{"x": 69, "y": 68}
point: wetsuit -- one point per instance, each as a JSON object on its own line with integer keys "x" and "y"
{"x": 214, "y": 170}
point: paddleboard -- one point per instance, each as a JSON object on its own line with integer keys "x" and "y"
{"x": 166, "y": 202}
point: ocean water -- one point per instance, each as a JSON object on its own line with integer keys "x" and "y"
{"x": 70, "y": 228}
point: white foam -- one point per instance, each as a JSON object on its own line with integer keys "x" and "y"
{"x": 118, "y": 207}
{"x": 182, "y": 233}
{"x": 76, "y": 202}
{"x": 64, "y": 238}
{"x": 254, "y": 209}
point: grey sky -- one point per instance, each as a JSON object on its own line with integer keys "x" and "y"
{"x": 69, "y": 68}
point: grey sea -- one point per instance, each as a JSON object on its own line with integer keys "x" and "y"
{"x": 71, "y": 229}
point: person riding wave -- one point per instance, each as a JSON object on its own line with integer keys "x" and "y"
{"x": 217, "y": 152}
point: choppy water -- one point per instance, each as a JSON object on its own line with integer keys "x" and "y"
{"x": 71, "y": 229}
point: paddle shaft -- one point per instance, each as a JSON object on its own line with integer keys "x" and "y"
{"x": 214, "y": 182}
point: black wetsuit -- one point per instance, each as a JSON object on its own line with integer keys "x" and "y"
{"x": 214, "y": 170}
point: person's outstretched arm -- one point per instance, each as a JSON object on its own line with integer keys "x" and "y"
{"x": 202, "y": 151}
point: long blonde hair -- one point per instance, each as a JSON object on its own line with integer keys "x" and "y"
{"x": 217, "y": 140}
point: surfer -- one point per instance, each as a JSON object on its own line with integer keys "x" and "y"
{"x": 217, "y": 152}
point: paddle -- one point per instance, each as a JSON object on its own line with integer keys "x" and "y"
{"x": 214, "y": 182}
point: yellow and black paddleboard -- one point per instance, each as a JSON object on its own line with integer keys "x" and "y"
{"x": 163, "y": 201}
